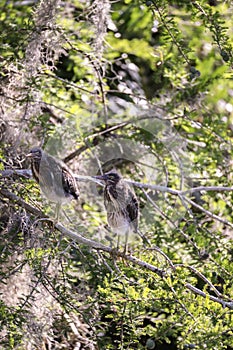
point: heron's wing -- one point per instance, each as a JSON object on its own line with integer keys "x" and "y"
{"x": 124, "y": 200}
{"x": 132, "y": 208}
{"x": 48, "y": 174}
{"x": 69, "y": 183}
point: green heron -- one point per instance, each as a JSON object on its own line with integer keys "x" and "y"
{"x": 121, "y": 205}
{"x": 55, "y": 179}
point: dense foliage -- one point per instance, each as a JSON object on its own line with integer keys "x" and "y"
{"x": 144, "y": 87}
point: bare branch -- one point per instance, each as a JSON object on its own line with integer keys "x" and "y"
{"x": 208, "y": 189}
{"x": 195, "y": 290}
{"x": 19, "y": 172}
{"x": 154, "y": 187}
{"x": 14, "y": 198}
{"x": 157, "y": 249}
{"x": 27, "y": 173}
{"x": 182, "y": 196}
{"x": 79, "y": 238}
{"x": 205, "y": 279}
{"x": 172, "y": 224}
{"x": 178, "y": 192}
{"x": 98, "y": 246}
{"x": 144, "y": 264}
{"x": 207, "y": 212}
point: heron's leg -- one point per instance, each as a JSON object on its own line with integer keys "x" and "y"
{"x": 108, "y": 237}
{"x": 126, "y": 241}
{"x": 118, "y": 241}
{"x": 65, "y": 215}
{"x": 57, "y": 211}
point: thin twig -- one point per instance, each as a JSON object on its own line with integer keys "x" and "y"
{"x": 178, "y": 192}
{"x": 207, "y": 212}
{"x": 199, "y": 274}
{"x": 195, "y": 290}
{"x": 179, "y": 301}
{"x": 187, "y": 238}
{"x": 157, "y": 249}
{"x": 208, "y": 189}
{"x": 85, "y": 146}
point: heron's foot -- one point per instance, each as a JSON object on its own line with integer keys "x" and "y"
{"x": 115, "y": 253}
{"x": 125, "y": 251}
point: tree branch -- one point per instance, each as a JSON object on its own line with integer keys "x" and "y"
{"x": 27, "y": 173}
{"x": 19, "y": 172}
{"x": 79, "y": 238}
{"x": 199, "y": 274}
{"x": 207, "y": 212}
{"x": 98, "y": 246}
{"x": 208, "y": 189}
{"x": 195, "y": 290}
{"x": 178, "y": 192}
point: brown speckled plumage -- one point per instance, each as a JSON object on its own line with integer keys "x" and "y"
{"x": 121, "y": 204}
{"x": 55, "y": 178}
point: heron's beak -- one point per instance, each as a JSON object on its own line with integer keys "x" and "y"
{"x": 100, "y": 177}
{"x": 96, "y": 178}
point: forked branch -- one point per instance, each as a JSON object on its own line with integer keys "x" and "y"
{"x": 98, "y": 246}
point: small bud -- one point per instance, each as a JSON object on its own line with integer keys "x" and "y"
{"x": 192, "y": 70}
{"x": 224, "y": 55}
{"x": 189, "y": 346}
{"x": 150, "y": 344}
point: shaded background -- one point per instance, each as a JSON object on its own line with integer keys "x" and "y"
{"x": 144, "y": 87}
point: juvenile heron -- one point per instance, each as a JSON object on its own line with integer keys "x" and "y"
{"x": 121, "y": 205}
{"x": 55, "y": 179}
